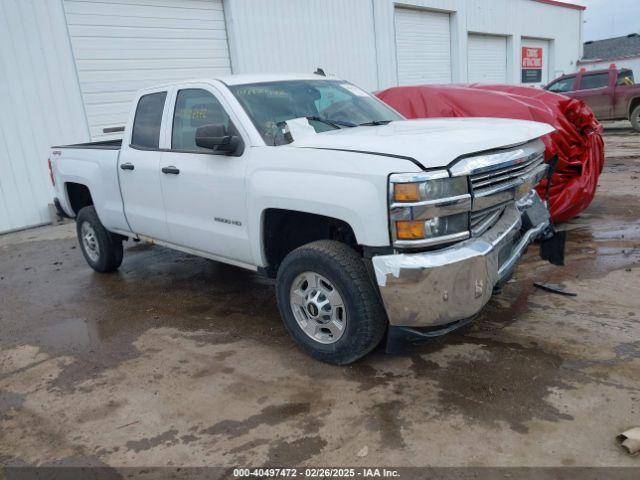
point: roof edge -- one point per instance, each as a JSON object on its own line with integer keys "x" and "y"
{"x": 558, "y": 3}
{"x": 585, "y": 61}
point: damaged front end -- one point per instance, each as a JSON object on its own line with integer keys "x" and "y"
{"x": 430, "y": 293}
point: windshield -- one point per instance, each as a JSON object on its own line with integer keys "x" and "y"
{"x": 328, "y": 105}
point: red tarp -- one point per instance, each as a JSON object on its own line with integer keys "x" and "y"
{"x": 577, "y": 140}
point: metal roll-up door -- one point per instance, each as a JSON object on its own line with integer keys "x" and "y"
{"x": 487, "y": 59}
{"x": 423, "y": 46}
{"x": 120, "y": 47}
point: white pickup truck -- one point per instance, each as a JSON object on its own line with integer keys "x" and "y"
{"x": 369, "y": 222}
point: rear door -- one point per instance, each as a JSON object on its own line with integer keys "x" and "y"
{"x": 596, "y": 90}
{"x": 139, "y": 168}
{"x": 204, "y": 192}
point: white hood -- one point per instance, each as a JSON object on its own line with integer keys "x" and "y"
{"x": 432, "y": 142}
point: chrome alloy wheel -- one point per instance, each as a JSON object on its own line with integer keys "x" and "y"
{"x": 90, "y": 241}
{"x": 318, "y": 307}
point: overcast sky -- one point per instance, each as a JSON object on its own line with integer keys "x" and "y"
{"x": 610, "y": 18}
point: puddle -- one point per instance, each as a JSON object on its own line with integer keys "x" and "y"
{"x": 73, "y": 333}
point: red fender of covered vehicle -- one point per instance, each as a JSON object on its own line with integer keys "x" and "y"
{"x": 577, "y": 139}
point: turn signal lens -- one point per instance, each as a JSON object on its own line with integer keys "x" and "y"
{"x": 406, "y": 192}
{"x": 410, "y": 229}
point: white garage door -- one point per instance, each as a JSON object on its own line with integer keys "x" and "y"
{"x": 120, "y": 47}
{"x": 487, "y": 59}
{"x": 423, "y": 46}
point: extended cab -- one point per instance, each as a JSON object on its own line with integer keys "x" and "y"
{"x": 612, "y": 94}
{"x": 370, "y": 223}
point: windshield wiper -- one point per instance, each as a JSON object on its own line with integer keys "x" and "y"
{"x": 332, "y": 123}
{"x": 375, "y": 123}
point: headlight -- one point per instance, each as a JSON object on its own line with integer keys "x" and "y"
{"x": 430, "y": 190}
{"x": 428, "y": 208}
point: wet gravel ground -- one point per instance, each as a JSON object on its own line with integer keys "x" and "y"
{"x": 176, "y": 360}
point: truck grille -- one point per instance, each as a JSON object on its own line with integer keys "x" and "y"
{"x": 504, "y": 178}
{"x": 483, "y": 220}
{"x": 495, "y": 179}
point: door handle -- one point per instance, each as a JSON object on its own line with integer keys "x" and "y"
{"x": 170, "y": 170}
{"x": 127, "y": 166}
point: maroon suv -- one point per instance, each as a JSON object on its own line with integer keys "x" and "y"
{"x": 612, "y": 94}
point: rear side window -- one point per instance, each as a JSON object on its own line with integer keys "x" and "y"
{"x": 564, "y": 85}
{"x": 625, "y": 78}
{"x": 146, "y": 125}
{"x": 596, "y": 80}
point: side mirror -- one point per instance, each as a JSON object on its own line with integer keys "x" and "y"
{"x": 215, "y": 137}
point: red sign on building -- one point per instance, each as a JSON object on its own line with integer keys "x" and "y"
{"x": 531, "y": 64}
{"x": 532, "y": 57}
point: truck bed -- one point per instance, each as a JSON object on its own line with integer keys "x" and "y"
{"x": 102, "y": 145}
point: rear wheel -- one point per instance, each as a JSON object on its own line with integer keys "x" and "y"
{"x": 635, "y": 118}
{"x": 328, "y": 302}
{"x": 102, "y": 250}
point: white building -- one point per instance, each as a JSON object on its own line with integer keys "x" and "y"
{"x": 623, "y": 52}
{"x": 69, "y": 68}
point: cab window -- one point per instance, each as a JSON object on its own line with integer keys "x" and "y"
{"x": 563, "y": 85}
{"x": 625, "y": 78}
{"x": 146, "y": 124}
{"x": 594, "y": 80}
{"x": 195, "y": 108}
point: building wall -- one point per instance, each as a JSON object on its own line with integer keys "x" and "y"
{"x": 40, "y": 106}
{"x": 518, "y": 19}
{"x": 300, "y": 36}
{"x": 68, "y": 68}
{"x": 632, "y": 63}
{"x": 272, "y": 35}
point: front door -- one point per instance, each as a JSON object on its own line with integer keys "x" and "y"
{"x": 204, "y": 192}
{"x": 139, "y": 170}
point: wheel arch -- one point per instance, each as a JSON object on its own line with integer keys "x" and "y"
{"x": 284, "y": 230}
{"x": 78, "y": 195}
{"x": 635, "y": 102}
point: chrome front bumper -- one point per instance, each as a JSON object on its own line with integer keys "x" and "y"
{"x": 435, "y": 288}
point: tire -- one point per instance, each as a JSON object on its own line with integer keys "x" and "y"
{"x": 635, "y": 119}
{"x": 357, "y": 306}
{"x": 101, "y": 249}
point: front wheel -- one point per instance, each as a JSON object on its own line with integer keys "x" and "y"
{"x": 635, "y": 118}
{"x": 328, "y": 302}
{"x": 101, "y": 249}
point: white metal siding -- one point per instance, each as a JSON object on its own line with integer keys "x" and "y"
{"x": 632, "y": 63}
{"x": 487, "y": 59}
{"x": 423, "y": 46}
{"x": 40, "y": 106}
{"x": 302, "y": 35}
{"x": 123, "y": 46}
